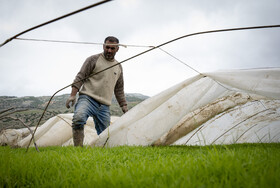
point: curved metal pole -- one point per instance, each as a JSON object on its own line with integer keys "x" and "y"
{"x": 53, "y": 20}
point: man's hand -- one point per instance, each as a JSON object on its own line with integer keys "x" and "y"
{"x": 71, "y": 99}
{"x": 124, "y": 109}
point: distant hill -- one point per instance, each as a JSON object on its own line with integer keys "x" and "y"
{"x": 29, "y": 109}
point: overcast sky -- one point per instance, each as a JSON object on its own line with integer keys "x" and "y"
{"x": 41, "y": 68}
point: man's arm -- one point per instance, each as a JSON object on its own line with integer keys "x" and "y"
{"x": 84, "y": 72}
{"x": 119, "y": 93}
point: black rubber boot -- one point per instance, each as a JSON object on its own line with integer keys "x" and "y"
{"x": 78, "y": 137}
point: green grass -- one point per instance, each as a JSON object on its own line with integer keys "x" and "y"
{"x": 244, "y": 165}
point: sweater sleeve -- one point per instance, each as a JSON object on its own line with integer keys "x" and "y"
{"x": 119, "y": 90}
{"x": 85, "y": 71}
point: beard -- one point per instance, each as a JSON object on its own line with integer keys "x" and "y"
{"x": 109, "y": 56}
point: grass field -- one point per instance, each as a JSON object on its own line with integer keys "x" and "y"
{"x": 244, "y": 165}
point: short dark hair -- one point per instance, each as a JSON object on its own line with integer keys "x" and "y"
{"x": 111, "y": 39}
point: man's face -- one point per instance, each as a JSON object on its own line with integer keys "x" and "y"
{"x": 110, "y": 50}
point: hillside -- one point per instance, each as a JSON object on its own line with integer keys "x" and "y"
{"x": 29, "y": 109}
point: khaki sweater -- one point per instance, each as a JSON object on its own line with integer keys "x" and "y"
{"x": 102, "y": 85}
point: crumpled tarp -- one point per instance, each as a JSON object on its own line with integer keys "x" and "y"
{"x": 236, "y": 106}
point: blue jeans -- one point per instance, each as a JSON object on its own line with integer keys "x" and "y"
{"x": 87, "y": 106}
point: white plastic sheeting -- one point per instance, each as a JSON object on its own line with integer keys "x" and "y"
{"x": 13, "y": 136}
{"x": 237, "y": 106}
{"x": 212, "y": 108}
{"x": 57, "y": 131}
{"x": 253, "y": 122}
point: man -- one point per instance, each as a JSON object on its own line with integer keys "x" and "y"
{"x": 95, "y": 93}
